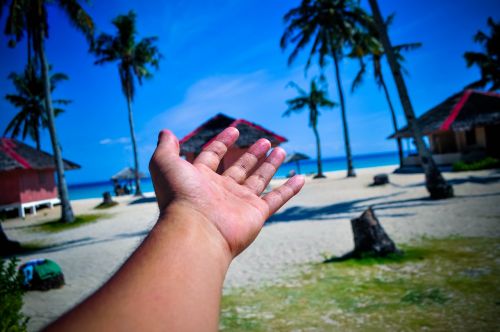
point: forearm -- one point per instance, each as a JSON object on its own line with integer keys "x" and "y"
{"x": 172, "y": 282}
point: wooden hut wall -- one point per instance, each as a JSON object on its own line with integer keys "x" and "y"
{"x": 10, "y": 192}
{"x": 37, "y": 185}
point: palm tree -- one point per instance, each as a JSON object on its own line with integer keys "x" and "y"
{"x": 488, "y": 61}
{"x": 330, "y": 25}
{"x": 30, "y": 99}
{"x": 434, "y": 181}
{"x": 366, "y": 46}
{"x": 313, "y": 100}
{"x": 133, "y": 59}
{"x": 30, "y": 16}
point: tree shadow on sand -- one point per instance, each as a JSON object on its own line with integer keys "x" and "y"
{"x": 350, "y": 209}
{"x": 143, "y": 200}
{"x": 84, "y": 241}
{"x": 484, "y": 180}
{"x": 332, "y": 211}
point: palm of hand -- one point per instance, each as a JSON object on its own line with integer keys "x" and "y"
{"x": 230, "y": 201}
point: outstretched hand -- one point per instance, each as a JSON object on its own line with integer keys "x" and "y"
{"x": 232, "y": 201}
{"x": 173, "y": 281}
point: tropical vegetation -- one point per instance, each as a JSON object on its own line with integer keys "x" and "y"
{"x": 135, "y": 58}
{"x": 487, "y": 61}
{"x": 30, "y": 17}
{"x": 485, "y": 163}
{"x": 312, "y": 100}
{"x": 30, "y": 100}
{"x": 330, "y": 26}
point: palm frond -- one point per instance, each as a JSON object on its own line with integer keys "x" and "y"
{"x": 294, "y": 85}
{"x": 406, "y": 47}
{"x": 16, "y": 21}
{"x": 475, "y": 58}
{"x": 79, "y": 18}
{"x": 358, "y": 80}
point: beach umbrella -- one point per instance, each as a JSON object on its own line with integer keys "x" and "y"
{"x": 128, "y": 173}
{"x": 296, "y": 157}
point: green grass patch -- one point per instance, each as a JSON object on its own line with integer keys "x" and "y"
{"x": 485, "y": 163}
{"x": 54, "y": 226}
{"x": 103, "y": 206}
{"x": 439, "y": 284}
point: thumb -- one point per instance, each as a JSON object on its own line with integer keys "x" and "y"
{"x": 168, "y": 143}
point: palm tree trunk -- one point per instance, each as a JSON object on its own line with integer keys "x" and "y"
{"x": 435, "y": 183}
{"x": 37, "y": 140}
{"x": 138, "y": 191}
{"x": 350, "y": 168}
{"x": 318, "y": 154}
{"x": 394, "y": 120}
{"x": 66, "y": 210}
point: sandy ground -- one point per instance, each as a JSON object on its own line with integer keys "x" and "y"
{"x": 314, "y": 224}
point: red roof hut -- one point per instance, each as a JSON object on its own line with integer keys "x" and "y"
{"x": 192, "y": 144}
{"x": 465, "y": 126}
{"x": 27, "y": 176}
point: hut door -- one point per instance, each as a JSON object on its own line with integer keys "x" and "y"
{"x": 493, "y": 140}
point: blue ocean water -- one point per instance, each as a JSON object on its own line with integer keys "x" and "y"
{"x": 96, "y": 189}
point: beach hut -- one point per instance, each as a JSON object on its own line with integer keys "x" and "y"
{"x": 192, "y": 144}
{"x": 126, "y": 175}
{"x": 464, "y": 127}
{"x": 296, "y": 157}
{"x": 27, "y": 177}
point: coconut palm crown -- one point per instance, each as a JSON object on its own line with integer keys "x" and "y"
{"x": 488, "y": 61}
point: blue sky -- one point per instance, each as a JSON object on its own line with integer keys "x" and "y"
{"x": 224, "y": 56}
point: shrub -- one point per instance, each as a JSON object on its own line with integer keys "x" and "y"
{"x": 485, "y": 163}
{"x": 11, "y": 297}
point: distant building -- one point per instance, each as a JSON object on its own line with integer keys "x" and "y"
{"x": 27, "y": 177}
{"x": 464, "y": 127}
{"x": 192, "y": 144}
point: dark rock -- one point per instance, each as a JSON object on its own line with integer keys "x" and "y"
{"x": 380, "y": 179}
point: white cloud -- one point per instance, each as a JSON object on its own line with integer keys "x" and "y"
{"x": 119, "y": 140}
{"x": 256, "y": 96}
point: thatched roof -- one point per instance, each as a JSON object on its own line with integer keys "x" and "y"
{"x": 249, "y": 133}
{"x": 127, "y": 173}
{"x": 462, "y": 111}
{"x": 17, "y": 155}
{"x": 296, "y": 156}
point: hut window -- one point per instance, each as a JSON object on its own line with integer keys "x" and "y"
{"x": 470, "y": 137}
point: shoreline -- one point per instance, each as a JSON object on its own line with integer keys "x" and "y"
{"x": 274, "y": 181}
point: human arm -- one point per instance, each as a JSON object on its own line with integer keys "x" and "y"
{"x": 174, "y": 279}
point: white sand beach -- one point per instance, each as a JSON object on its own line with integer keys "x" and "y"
{"x": 313, "y": 224}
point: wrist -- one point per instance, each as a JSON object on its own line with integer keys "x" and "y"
{"x": 196, "y": 231}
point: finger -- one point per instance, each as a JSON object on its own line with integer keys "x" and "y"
{"x": 240, "y": 170}
{"x": 279, "y": 196}
{"x": 259, "y": 180}
{"x": 214, "y": 151}
{"x": 168, "y": 143}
